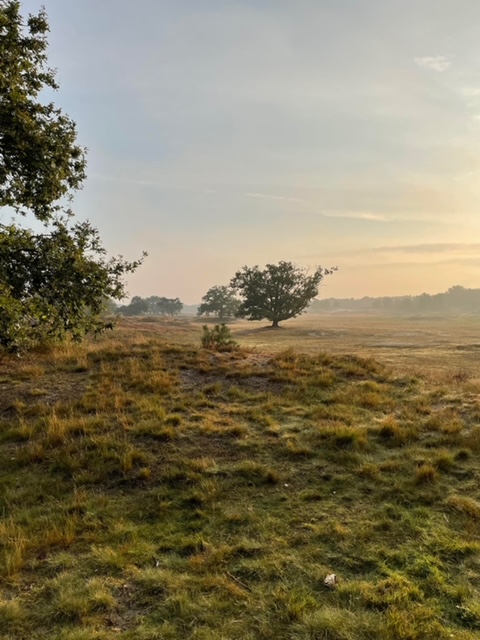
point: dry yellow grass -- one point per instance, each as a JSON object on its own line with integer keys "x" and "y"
{"x": 443, "y": 349}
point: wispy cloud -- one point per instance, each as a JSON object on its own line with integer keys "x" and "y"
{"x": 471, "y": 92}
{"x": 461, "y": 251}
{"x": 268, "y": 196}
{"x": 435, "y": 63}
{"x": 434, "y": 247}
{"x": 357, "y": 215}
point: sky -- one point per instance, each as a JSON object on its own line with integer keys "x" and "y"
{"x": 224, "y": 133}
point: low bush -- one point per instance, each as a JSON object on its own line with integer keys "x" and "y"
{"x": 218, "y": 339}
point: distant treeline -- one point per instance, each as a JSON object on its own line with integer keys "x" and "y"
{"x": 152, "y": 306}
{"x": 456, "y": 299}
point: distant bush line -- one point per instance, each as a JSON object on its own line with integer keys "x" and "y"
{"x": 456, "y": 299}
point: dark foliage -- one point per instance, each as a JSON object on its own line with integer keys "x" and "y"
{"x": 279, "y": 292}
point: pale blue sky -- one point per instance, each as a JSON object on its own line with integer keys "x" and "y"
{"x": 233, "y": 132}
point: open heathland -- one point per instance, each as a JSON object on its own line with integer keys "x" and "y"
{"x": 153, "y": 489}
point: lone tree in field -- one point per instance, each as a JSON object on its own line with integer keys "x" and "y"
{"x": 52, "y": 283}
{"x": 219, "y": 301}
{"x": 279, "y": 292}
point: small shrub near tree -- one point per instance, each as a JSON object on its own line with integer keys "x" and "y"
{"x": 218, "y": 339}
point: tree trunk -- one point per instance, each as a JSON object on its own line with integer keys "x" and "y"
{"x": 275, "y": 324}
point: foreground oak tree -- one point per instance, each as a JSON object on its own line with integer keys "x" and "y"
{"x": 278, "y": 292}
{"x": 52, "y": 284}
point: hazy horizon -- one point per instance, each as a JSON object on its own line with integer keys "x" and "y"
{"x": 321, "y": 296}
{"x": 229, "y": 133}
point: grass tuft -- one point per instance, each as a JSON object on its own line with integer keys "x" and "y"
{"x": 425, "y": 474}
{"x": 464, "y": 505}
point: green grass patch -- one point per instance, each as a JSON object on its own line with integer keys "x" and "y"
{"x": 156, "y": 490}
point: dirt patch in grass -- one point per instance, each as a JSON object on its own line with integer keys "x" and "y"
{"x": 242, "y": 370}
{"x": 195, "y": 380}
{"x": 49, "y": 390}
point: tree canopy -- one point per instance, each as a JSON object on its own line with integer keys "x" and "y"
{"x": 168, "y": 306}
{"x": 40, "y": 160}
{"x": 219, "y": 301}
{"x": 55, "y": 283}
{"x": 278, "y": 292}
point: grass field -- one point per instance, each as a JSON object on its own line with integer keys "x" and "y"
{"x": 151, "y": 489}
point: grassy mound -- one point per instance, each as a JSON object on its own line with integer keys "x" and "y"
{"x": 152, "y": 490}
